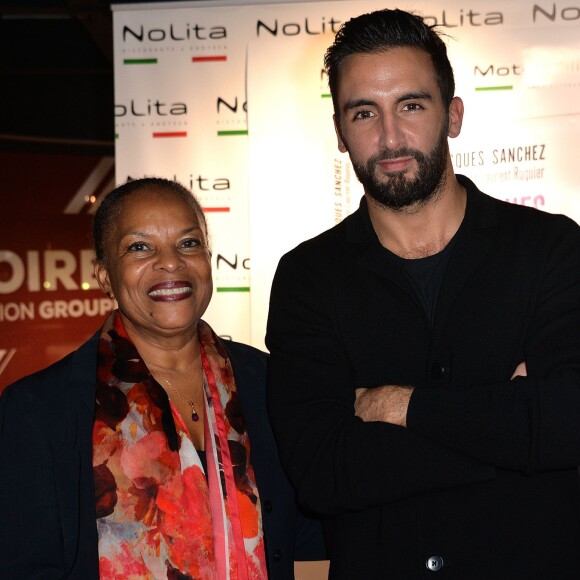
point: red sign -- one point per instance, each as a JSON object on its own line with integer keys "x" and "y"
{"x": 49, "y": 299}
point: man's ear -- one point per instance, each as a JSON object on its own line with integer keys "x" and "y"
{"x": 102, "y": 276}
{"x": 455, "y": 117}
{"x": 341, "y": 143}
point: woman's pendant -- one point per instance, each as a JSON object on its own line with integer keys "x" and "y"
{"x": 194, "y": 415}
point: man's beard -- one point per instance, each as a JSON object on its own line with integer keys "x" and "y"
{"x": 399, "y": 192}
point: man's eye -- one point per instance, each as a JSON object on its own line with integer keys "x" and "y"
{"x": 362, "y": 115}
{"x": 412, "y": 107}
{"x": 138, "y": 247}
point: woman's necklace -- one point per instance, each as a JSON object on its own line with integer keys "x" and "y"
{"x": 194, "y": 415}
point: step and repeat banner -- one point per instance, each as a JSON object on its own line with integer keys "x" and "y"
{"x": 232, "y": 100}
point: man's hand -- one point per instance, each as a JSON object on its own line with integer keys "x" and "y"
{"x": 520, "y": 371}
{"x": 388, "y": 404}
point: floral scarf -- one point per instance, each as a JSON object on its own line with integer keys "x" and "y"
{"x": 158, "y": 515}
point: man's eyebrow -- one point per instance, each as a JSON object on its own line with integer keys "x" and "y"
{"x": 354, "y": 104}
{"x": 358, "y": 103}
{"x": 424, "y": 95}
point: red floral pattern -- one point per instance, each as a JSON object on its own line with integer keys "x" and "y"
{"x": 158, "y": 516}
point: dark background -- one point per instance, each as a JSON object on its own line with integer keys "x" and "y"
{"x": 56, "y": 76}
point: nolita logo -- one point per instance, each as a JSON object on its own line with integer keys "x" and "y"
{"x": 159, "y": 114}
{"x": 150, "y": 108}
{"x": 455, "y": 19}
{"x": 555, "y": 12}
{"x": 232, "y": 273}
{"x": 304, "y": 26}
{"x": 231, "y": 116}
{"x": 173, "y": 33}
{"x": 231, "y": 105}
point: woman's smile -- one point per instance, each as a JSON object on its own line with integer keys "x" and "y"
{"x": 170, "y": 291}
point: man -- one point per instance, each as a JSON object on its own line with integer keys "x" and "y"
{"x": 425, "y": 353}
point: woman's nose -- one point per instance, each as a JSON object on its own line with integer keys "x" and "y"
{"x": 169, "y": 259}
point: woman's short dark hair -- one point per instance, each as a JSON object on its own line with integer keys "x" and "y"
{"x": 112, "y": 205}
{"x": 382, "y": 30}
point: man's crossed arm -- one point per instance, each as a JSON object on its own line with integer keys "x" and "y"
{"x": 389, "y": 403}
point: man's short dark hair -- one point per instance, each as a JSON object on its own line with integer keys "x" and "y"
{"x": 380, "y": 31}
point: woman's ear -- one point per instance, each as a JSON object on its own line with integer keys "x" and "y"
{"x": 102, "y": 276}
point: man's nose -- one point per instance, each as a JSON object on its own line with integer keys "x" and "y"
{"x": 391, "y": 132}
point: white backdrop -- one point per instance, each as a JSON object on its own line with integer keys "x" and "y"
{"x": 231, "y": 100}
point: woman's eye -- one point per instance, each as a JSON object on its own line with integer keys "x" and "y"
{"x": 138, "y": 247}
{"x": 190, "y": 243}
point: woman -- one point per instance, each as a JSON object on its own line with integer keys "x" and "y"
{"x": 147, "y": 428}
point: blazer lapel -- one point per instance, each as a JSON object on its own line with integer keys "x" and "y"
{"x": 370, "y": 252}
{"x": 474, "y": 241}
